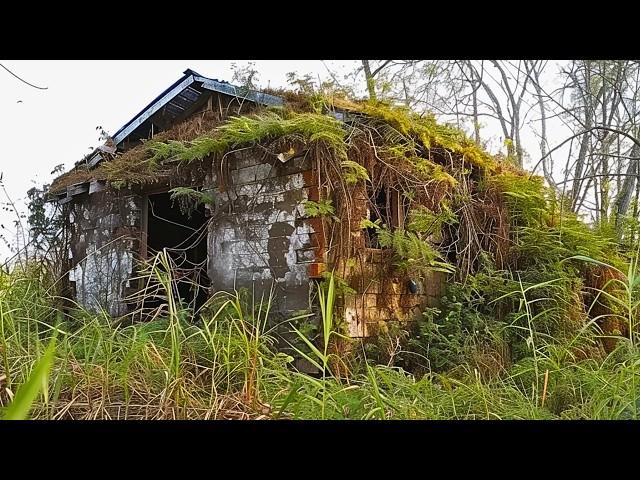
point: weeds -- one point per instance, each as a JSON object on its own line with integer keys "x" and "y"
{"x": 37, "y": 382}
{"x": 226, "y": 365}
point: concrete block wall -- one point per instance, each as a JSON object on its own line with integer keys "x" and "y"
{"x": 259, "y": 234}
{"x": 382, "y": 296}
{"x": 105, "y": 233}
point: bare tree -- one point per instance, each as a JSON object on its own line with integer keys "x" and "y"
{"x": 596, "y": 105}
{"x": 602, "y": 105}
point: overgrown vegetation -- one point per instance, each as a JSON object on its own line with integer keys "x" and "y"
{"x": 323, "y": 208}
{"x": 538, "y": 320}
{"x": 226, "y": 366}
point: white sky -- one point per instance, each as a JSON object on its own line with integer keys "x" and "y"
{"x": 58, "y": 125}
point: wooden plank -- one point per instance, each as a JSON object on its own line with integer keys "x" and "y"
{"x": 95, "y": 159}
{"x": 77, "y": 189}
{"x": 397, "y": 209}
{"x": 144, "y": 227}
{"x": 97, "y": 186}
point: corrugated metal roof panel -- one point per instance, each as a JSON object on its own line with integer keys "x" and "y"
{"x": 179, "y": 97}
{"x": 182, "y": 94}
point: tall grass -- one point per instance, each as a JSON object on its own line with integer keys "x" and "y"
{"x": 224, "y": 364}
{"x": 21, "y": 405}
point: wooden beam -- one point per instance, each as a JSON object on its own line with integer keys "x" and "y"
{"x": 77, "y": 189}
{"x": 397, "y": 210}
{"x": 144, "y": 227}
{"x": 97, "y": 186}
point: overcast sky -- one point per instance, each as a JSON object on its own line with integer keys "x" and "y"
{"x": 40, "y": 129}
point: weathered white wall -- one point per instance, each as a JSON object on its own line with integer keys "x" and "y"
{"x": 258, "y": 235}
{"x": 105, "y": 233}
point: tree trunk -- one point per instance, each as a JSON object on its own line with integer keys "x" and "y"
{"x": 623, "y": 201}
{"x": 580, "y": 164}
{"x": 371, "y": 87}
{"x": 476, "y": 121}
{"x": 547, "y": 163}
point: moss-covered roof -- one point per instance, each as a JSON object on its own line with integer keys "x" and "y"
{"x": 411, "y": 137}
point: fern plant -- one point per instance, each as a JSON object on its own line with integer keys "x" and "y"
{"x": 412, "y": 253}
{"x": 323, "y": 208}
{"x": 353, "y": 172}
{"x": 189, "y": 198}
{"x": 424, "y": 221}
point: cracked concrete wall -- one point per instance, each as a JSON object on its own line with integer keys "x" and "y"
{"x": 105, "y": 231}
{"x": 259, "y": 236}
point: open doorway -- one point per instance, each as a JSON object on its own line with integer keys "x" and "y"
{"x": 184, "y": 236}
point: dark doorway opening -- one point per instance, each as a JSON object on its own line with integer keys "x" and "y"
{"x": 386, "y": 207}
{"x": 184, "y": 236}
{"x": 378, "y": 214}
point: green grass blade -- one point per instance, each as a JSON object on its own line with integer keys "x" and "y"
{"x": 27, "y": 393}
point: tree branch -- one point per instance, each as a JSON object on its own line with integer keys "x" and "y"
{"x": 22, "y": 80}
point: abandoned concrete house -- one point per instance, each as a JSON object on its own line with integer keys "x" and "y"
{"x": 272, "y": 211}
